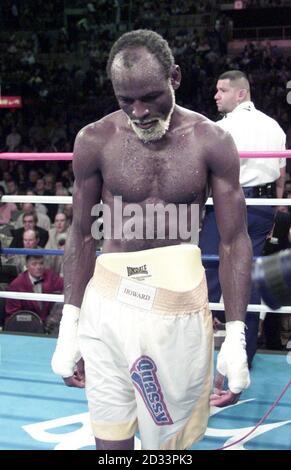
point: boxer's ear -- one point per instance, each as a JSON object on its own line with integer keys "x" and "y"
{"x": 175, "y": 76}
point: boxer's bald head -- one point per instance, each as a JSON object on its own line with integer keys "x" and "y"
{"x": 141, "y": 38}
{"x": 144, "y": 77}
{"x": 138, "y": 64}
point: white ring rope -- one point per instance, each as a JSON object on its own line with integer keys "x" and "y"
{"x": 261, "y": 202}
{"x": 60, "y": 298}
{"x": 32, "y": 296}
{"x": 252, "y": 308}
{"x": 38, "y": 199}
{"x": 69, "y": 200}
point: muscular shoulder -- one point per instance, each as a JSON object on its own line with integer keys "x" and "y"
{"x": 204, "y": 127}
{"x": 214, "y": 137}
{"x": 219, "y": 148}
{"x": 207, "y": 128}
{"x": 90, "y": 142}
{"x": 215, "y": 144}
{"x": 191, "y": 118}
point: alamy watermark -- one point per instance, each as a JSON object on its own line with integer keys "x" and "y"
{"x": 149, "y": 221}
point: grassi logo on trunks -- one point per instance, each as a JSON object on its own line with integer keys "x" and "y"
{"x": 143, "y": 375}
{"x": 137, "y": 270}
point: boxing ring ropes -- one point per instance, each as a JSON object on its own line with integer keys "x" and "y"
{"x": 68, "y": 200}
{"x": 207, "y": 258}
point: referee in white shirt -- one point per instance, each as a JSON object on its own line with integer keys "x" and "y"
{"x": 254, "y": 131}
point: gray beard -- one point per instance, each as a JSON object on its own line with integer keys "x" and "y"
{"x": 158, "y": 130}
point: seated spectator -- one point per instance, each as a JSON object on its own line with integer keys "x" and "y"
{"x": 4, "y": 175}
{"x": 29, "y": 222}
{"x": 35, "y": 279}
{"x": 61, "y": 190}
{"x": 42, "y": 219}
{"x": 57, "y": 240}
{"x": 32, "y": 178}
{"x": 30, "y": 240}
{"x": 6, "y": 209}
{"x": 56, "y": 263}
{"x": 40, "y": 190}
{"x": 49, "y": 183}
{"x": 12, "y": 187}
{"x": 61, "y": 226}
{"x": 39, "y": 207}
{"x": 49, "y": 188}
{"x": 13, "y": 140}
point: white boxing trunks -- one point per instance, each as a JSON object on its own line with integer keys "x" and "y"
{"x": 148, "y": 360}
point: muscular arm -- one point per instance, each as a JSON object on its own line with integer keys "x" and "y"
{"x": 235, "y": 247}
{"x": 79, "y": 258}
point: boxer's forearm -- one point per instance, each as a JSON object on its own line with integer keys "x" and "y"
{"x": 79, "y": 262}
{"x": 235, "y": 276}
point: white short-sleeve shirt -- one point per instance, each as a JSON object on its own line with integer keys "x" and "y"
{"x": 254, "y": 131}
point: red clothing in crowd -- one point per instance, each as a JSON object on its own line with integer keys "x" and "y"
{"x": 52, "y": 283}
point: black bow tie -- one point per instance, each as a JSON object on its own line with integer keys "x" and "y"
{"x": 38, "y": 281}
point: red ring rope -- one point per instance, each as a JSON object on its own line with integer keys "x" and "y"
{"x": 69, "y": 156}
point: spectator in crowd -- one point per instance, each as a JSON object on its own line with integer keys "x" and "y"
{"x": 12, "y": 187}
{"x": 6, "y": 209}
{"x": 57, "y": 240}
{"x": 29, "y": 222}
{"x": 49, "y": 183}
{"x": 30, "y": 241}
{"x": 13, "y": 140}
{"x": 43, "y": 220}
{"x": 40, "y": 209}
{"x": 61, "y": 227}
{"x": 35, "y": 279}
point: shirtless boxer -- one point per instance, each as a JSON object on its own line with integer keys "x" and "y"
{"x": 144, "y": 329}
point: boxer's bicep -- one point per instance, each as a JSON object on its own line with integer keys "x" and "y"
{"x": 86, "y": 194}
{"x": 228, "y": 197}
{"x": 88, "y": 181}
{"x": 79, "y": 258}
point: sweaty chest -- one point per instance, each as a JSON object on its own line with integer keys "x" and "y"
{"x": 175, "y": 175}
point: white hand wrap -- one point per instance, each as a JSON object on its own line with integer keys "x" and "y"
{"x": 67, "y": 352}
{"x": 232, "y": 358}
